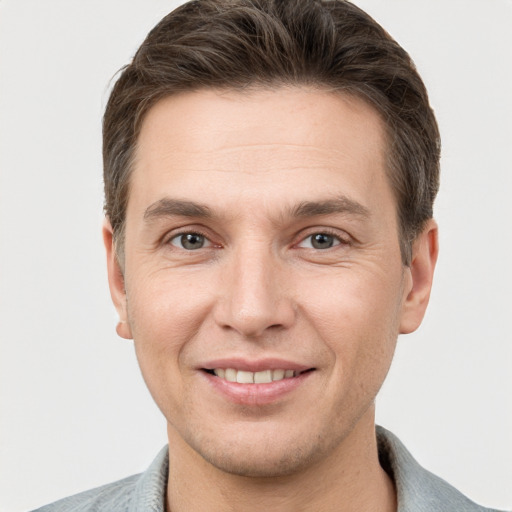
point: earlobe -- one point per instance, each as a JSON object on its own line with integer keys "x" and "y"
{"x": 123, "y": 330}
{"x": 424, "y": 257}
{"x": 116, "y": 282}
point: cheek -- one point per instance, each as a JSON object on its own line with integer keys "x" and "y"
{"x": 165, "y": 307}
{"x": 165, "y": 314}
{"x": 357, "y": 300}
{"x": 357, "y": 316}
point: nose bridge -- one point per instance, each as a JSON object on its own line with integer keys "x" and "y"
{"x": 254, "y": 298}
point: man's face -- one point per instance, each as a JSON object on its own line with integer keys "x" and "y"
{"x": 262, "y": 243}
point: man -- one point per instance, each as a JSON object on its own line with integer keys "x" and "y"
{"x": 270, "y": 173}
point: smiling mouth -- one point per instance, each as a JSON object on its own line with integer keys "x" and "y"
{"x": 261, "y": 377}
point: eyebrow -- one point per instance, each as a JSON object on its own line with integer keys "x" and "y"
{"x": 340, "y": 204}
{"x": 168, "y": 207}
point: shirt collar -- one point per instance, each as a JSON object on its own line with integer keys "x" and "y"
{"x": 418, "y": 490}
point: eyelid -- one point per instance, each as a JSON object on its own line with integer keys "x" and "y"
{"x": 341, "y": 239}
{"x": 207, "y": 241}
{"x": 186, "y": 230}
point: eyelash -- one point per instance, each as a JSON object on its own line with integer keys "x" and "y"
{"x": 197, "y": 232}
{"x": 328, "y": 232}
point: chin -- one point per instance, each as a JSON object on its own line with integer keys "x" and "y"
{"x": 260, "y": 463}
{"x": 259, "y": 452}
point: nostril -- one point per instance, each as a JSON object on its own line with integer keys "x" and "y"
{"x": 251, "y": 315}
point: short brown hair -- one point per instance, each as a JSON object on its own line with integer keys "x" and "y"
{"x": 235, "y": 44}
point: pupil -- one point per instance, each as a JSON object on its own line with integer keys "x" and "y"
{"x": 322, "y": 241}
{"x": 192, "y": 241}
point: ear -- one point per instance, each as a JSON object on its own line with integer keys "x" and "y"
{"x": 421, "y": 272}
{"x": 116, "y": 282}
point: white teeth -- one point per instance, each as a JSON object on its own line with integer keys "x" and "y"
{"x": 262, "y": 377}
{"x": 230, "y": 375}
{"x": 278, "y": 375}
{"x": 245, "y": 377}
{"x": 220, "y": 372}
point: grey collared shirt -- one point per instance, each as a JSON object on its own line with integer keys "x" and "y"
{"x": 418, "y": 490}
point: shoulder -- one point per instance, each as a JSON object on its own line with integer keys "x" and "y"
{"x": 419, "y": 490}
{"x": 145, "y": 491}
{"x": 112, "y": 497}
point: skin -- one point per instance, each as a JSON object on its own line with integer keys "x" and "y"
{"x": 259, "y": 288}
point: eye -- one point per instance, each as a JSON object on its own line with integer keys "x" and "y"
{"x": 320, "y": 241}
{"x": 190, "y": 241}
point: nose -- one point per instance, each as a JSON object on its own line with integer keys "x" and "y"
{"x": 255, "y": 294}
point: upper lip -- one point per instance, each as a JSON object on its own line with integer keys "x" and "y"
{"x": 256, "y": 365}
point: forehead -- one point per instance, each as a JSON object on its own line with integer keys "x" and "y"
{"x": 258, "y": 144}
{"x": 212, "y": 119}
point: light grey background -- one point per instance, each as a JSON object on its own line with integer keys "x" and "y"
{"x": 74, "y": 410}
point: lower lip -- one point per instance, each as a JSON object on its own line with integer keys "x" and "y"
{"x": 256, "y": 394}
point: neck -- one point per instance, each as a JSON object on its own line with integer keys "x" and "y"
{"x": 350, "y": 479}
